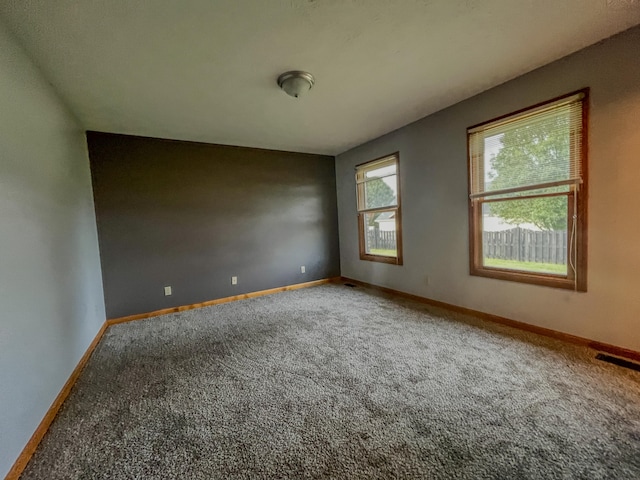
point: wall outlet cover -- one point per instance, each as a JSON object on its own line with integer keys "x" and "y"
{"x": 167, "y": 291}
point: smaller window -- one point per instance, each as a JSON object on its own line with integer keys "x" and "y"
{"x": 379, "y": 222}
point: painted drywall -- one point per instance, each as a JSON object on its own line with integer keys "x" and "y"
{"x": 50, "y": 283}
{"x": 433, "y": 167}
{"x": 192, "y": 215}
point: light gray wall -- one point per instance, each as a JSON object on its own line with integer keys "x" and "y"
{"x": 191, "y": 215}
{"x": 50, "y": 286}
{"x": 433, "y": 167}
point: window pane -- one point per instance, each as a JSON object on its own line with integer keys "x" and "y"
{"x": 529, "y": 154}
{"x": 541, "y": 146}
{"x": 380, "y": 233}
{"x": 527, "y": 235}
{"x": 381, "y": 192}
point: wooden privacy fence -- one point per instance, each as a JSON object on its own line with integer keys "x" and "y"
{"x": 526, "y": 245}
{"x": 381, "y": 239}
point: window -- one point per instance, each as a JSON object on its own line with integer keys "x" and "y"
{"x": 379, "y": 222}
{"x": 528, "y": 195}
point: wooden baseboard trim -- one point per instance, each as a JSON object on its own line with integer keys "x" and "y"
{"x": 31, "y": 446}
{"x": 218, "y": 301}
{"x": 546, "y": 332}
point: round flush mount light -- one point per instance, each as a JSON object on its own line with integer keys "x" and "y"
{"x": 296, "y": 82}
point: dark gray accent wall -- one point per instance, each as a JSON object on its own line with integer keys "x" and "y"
{"x": 193, "y": 215}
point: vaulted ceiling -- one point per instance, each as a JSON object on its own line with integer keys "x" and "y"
{"x": 205, "y": 70}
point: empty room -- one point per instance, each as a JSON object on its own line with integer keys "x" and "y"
{"x": 319, "y": 239}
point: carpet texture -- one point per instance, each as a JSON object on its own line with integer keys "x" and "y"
{"x": 338, "y": 382}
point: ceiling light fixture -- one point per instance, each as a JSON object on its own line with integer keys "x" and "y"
{"x": 296, "y": 82}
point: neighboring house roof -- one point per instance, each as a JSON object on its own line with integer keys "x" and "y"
{"x": 385, "y": 217}
{"x": 497, "y": 224}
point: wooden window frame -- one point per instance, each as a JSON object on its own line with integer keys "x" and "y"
{"x": 397, "y": 209}
{"x": 576, "y": 196}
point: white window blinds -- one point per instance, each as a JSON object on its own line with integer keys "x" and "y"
{"x": 535, "y": 150}
{"x": 377, "y": 184}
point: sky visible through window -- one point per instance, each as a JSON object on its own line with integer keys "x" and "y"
{"x": 492, "y": 146}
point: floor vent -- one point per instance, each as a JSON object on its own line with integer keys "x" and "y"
{"x": 349, "y": 285}
{"x": 618, "y": 361}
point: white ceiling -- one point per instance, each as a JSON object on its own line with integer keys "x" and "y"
{"x": 206, "y": 70}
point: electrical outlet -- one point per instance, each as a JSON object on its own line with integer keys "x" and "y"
{"x": 426, "y": 280}
{"x": 303, "y": 269}
{"x": 167, "y": 291}
{"x": 234, "y": 280}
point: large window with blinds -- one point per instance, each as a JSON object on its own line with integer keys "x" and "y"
{"x": 528, "y": 194}
{"x": 379, "y": 216}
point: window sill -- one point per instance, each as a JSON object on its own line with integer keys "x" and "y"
{"x": 553, "y": 281}
{"x": 381, "y": 259}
